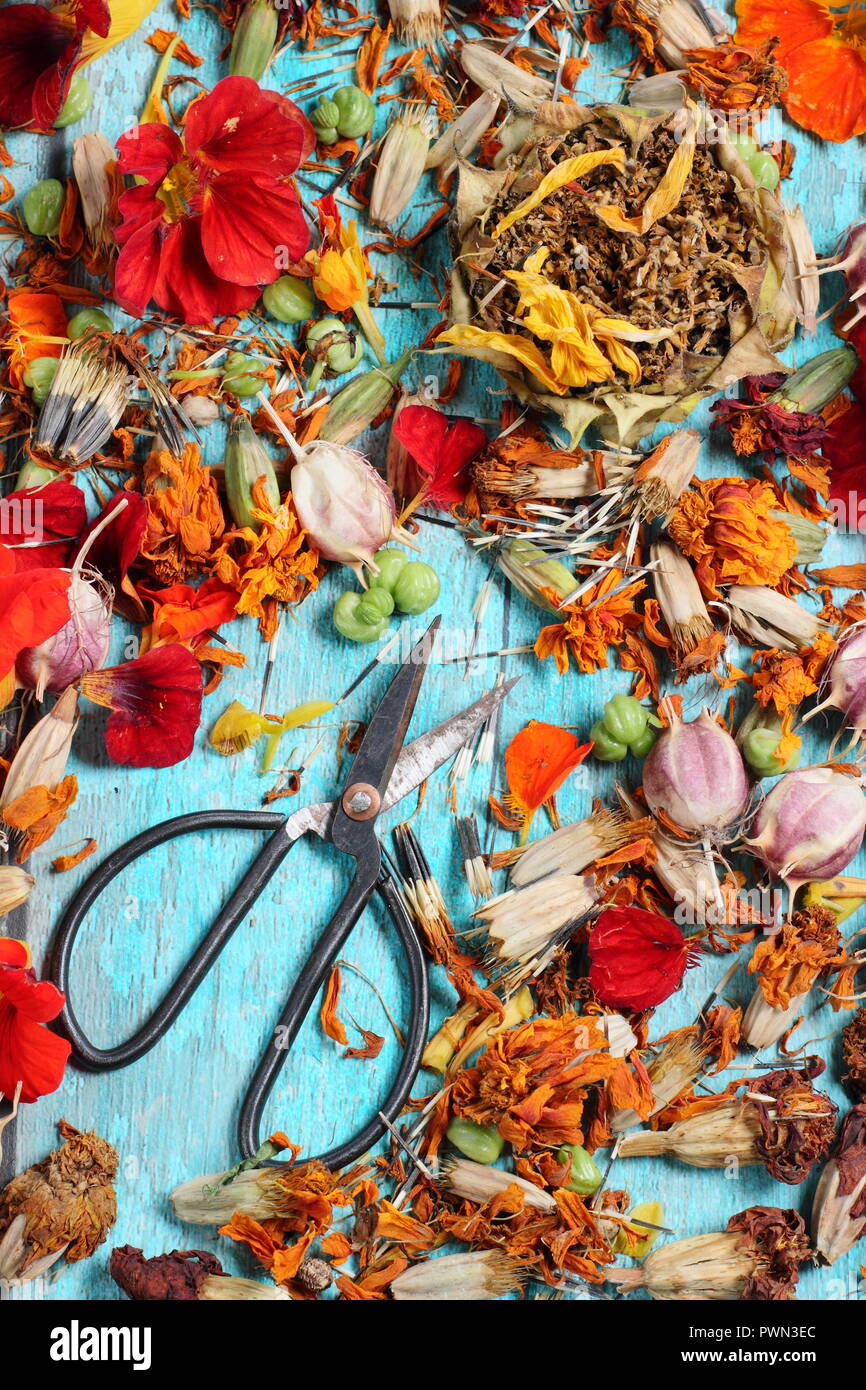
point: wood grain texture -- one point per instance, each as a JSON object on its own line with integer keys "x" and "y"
{"x": 173, "y": 1114}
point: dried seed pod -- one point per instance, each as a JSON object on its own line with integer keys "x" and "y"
{"x": 682, "y": 869}
{"x": 854, "y": 1053}
{"x": 63, "y": 1206}
{"x": 810, "y": 825}
{"x": 839, "y": 1206}
{"x": 459, "y": 139}
{"x": 15, "y": 887}
{"x": 417, "y": 22}
{"x": 694, "y": 774}
{"x": 41, "y": 759}
{"x": 764, "y": 1023}
{"x": 343, "y": 503}
{"x": 525, "y": 925}
{"x": 401, "y": 161}
{"x": 845, "y": 682}
{"x": 480, "y": 1182}
{"x": 680, "y": 600}
{"x": 571, "y": 849}
{"x": 769, "y": 619}
{"x": 492, "y": 73}
{"x": 729, "y": 1133}
{"x": 665, "y": 474}
{"x": 757, "y": 1257}
{"x": 470, "y": 1278}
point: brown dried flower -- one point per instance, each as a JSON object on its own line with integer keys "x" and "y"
{"x": 854, "y": 1053}
{"x": 64, "y": 1205}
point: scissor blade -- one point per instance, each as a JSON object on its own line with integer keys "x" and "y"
{"x": 416, "y": 762}
{"x": 420, "y": 758}
{"x": 380, "y": 747}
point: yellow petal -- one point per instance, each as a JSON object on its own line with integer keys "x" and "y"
{"x": 126, "y": 16}
{"x": 563, "y": 173}
{"x": 664, "y": 196}
{"x": 482, "y": 342}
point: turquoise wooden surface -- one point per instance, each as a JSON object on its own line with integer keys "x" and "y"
{"x": 173, "y": 1114}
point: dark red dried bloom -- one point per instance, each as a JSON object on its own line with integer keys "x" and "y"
{"x": 777, "y": 1239}
{"x": 850, "y": 1157}
{"x": 155, "y": 703}
{"x": 756, "y": 425}
{"x": 798, "y": 1123}
{"x": 175, "y": 1277}
{"x": 854, "y": 1053}
{"x": 638, "y": 958}
{"x": 117, "y": 546}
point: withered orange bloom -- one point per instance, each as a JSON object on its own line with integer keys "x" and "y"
{"x": 822, "y": 50}
{"x": 599, "y": 620}
{"x": 277, "y": 564}
{"x": 730, "y": 528}
{"x": 789, "y": 962}
{"x": 184, "y": 516}
{"x": 537, "y": 762}
{"x": 36, "y": 814}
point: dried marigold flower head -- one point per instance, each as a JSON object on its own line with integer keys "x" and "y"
{"x": 733, "y": 531}
{"x": 854, "y": 1053}
{"x": 184, "y": 516}
{"x": 790, "y": 960}
{"x": 757, "y": 1257}
{"x": 63, "y": 1206}
{"x": 183, "y": 1276}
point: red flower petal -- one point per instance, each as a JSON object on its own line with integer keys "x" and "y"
{"x": 137, "y": 269}
{"x": 638, "y": 958}
{"x": 156, "y": 706}
{"x": 244, "y": 223}
{"x": 149, "y": 151}
{"x": 115, "y": 547}
{"x": 238, "y": 128}
{"x": 29, "y": 1053}
{"x": 442, "y": 449}
{"x": 33, "y": 606}
{"x": 537, "y": 762}
{"x": 40, "y": 514}
{"x": 39, "y": 52}
{"x": 187, "y": 287}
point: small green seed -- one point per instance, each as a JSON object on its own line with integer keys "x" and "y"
{"x": 765, "y": 170}
{"x": 585, "y": 1176}
{"x": 640, "y": 746}
{"x": 389, "y": 563}
{"x": 289, "y": 299}
{"x": 481, "y": 1144}
{"x": 238, "y": 375}
{"x": 624, "y": 718}
{"x": 89, "y": 321}
{"x": 42, "y": 207}
{"x": 375, "y": 605}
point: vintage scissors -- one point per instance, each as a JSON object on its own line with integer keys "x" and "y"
{"x": 382, "y": 773}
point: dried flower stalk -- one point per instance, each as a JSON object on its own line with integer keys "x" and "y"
{"x": 839, "y": 1206}
{"x": 571, "y": 849}
{"x": 769, "y": 619}
{"x": 674, "y": 1068}
{"x": 416, "y": 22}
{"x": 524, "y": 925}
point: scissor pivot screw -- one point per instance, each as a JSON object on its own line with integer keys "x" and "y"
{"x": 361, "y": 801}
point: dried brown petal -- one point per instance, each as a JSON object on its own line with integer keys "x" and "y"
{"x": 777, "y": 1239}
{"x": 797, "y": 1122}
{"x": 177, "y": 1276}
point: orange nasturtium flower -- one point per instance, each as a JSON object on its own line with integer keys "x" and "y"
{"x": 341, "y": 272}
{"x": 537, "y": 762}
{"x": 37, "y": 328}
{"x": 822, "y": 50}
{"x": 729, "y": 527}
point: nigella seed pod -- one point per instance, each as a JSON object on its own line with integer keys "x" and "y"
{"x": 343, "y": 503}
{"x": 246, "y": 464}
{"x": 810, "y": 825}
{"x": 81, "y": 645}
{"x": 846, "y": 681}
{"x": 694, "y": 774}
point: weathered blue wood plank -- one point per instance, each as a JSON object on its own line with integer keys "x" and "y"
{"x": 173, "y": 1114}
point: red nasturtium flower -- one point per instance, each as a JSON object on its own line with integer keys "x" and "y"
{"x": 201, "y": 231}
{"x": 40, "y": 48}
{"x": 33, "y": 606}
{"x": 155, "y": 704}
{"x": 638, "y": 958}
{"x": 29, "y": 1054}
{"x": 41, "y": 524}
{"x": 537, "y": 762}
{"x": 442, "y": 450}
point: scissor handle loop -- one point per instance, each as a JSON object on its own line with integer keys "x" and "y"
{"x": 85, "y": 1053}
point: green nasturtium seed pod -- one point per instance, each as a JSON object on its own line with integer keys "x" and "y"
{"x": 357, "y": 112}
{"x": 389, "y": 563}
{"x": 416, "y": 587}
{"x": 481, "y": 1144}
{"x": 604, "y": 746}
{"x": 77, "y": 103}
{"x": 348, "y": 624}
{"x": 375, "y": 605}
{"x": 42, "y": 207}
{"x": 585, "y": 1176}
{"x": 39, "y": 375}
{"x": 323, "y": 119}
{"x": 242, "y": 375}
{"x": 625, "y": 718}
{"x": 640, "y": 746}
{"x": 33, "y": 474}
{"x": 89, "y": 321}
{"x": 289, "y": 299}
